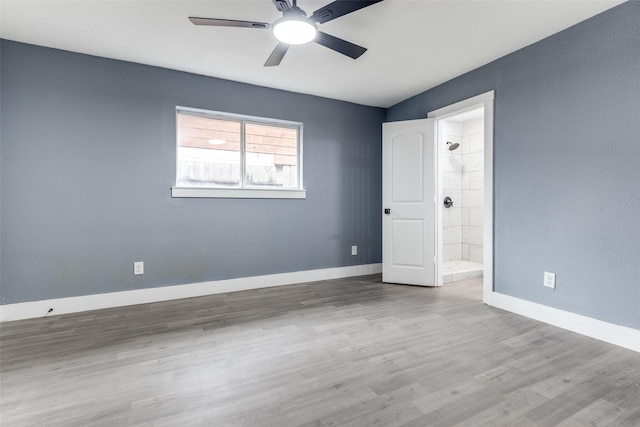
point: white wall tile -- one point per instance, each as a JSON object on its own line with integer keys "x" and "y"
{"x": 455, "y": 252}
{"x": 472, "y": 143}
{"x": 449, "y": 127}
{"x": 472, "y": 235}
{"x": 466, "y": 216}
{"x": 465, "y": 146}
{"x": 451, "y": 180}
{"x": 472, "y": 126}
{"x": 455, "y": 216}
{"x": 446, "y": 218}
{"x": 476, "y": 254}
{"x": 476, "y": 217}
{"x": 473, "y": 199}
{"x": 473, "y": 162}
{"x": 452, "y": 235}
{"x": 451, "y": 162}
{"x": 465, "y": 252}
{"x": 445, "y": 253}
{"x": 466, "y": 180}
{"x": 476, "y": 180}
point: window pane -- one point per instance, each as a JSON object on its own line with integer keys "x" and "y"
{"x": 208, "y": 152}
{"x": 271, "y": 155}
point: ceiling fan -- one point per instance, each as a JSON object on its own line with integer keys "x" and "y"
{"x": 296, "y": 28}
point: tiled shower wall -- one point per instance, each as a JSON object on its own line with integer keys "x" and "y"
{"x": 472, "y": 189}
{"x": 451, "y": 171}
{"x": 463, "y": 180}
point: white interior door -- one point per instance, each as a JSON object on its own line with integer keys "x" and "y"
{"x": 408, "y": 198}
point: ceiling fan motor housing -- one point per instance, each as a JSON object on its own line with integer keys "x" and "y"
{"x": 294, "y": 27}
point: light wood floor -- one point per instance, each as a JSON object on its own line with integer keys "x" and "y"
{"x": 349, "y": 352}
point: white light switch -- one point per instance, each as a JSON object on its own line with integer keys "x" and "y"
{"x": 138, "y": 268}
{"x": 550, "y": 280}
{"x": 354, "y": 250}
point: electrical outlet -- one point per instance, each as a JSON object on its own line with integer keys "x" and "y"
{"x": 354, "y": 250}
{"x": 550, "y": 280}
{"x": 138, "y": 268}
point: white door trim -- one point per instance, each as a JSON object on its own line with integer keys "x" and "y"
{"x": 483, "y": 100}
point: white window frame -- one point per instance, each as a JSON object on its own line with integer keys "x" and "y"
{"x": 245, "y": 192}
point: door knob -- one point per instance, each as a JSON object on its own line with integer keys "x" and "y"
{"x": 387, "y": 211}
{"x": 448, "y": 202}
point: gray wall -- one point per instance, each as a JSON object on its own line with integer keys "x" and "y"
{"x": 566, "y": 165}
{"x": 88, "y": 159}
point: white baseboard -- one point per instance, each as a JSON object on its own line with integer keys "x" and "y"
{"x": 33, "y": 309}
{"x": 608, "y": 332}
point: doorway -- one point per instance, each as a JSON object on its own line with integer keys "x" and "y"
{"x": 460, "y": 144}
{"x": 464, "y": 137}
{"x": 412, "y": 193}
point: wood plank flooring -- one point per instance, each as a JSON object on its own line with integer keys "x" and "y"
{"x": 348, "y": 352}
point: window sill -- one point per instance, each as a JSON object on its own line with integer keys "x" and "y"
{"x": 234, "y": 193}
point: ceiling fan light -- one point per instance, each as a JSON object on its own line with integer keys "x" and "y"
{"x": 296, "y": 30}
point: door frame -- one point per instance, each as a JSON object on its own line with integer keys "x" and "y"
{"x": 485, "y": 100}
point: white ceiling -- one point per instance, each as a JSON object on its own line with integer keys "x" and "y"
{"x": 413, "y": 45}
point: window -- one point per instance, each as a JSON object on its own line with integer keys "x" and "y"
{"x": 228, "y": 155}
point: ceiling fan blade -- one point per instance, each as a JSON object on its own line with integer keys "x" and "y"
{"x": 339, "y": 8}
{"x": 228, "y": 23}
{"x": 341, "y": 46}
{"x": 282, "y": 5}
{"x": 277, "y": 55}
